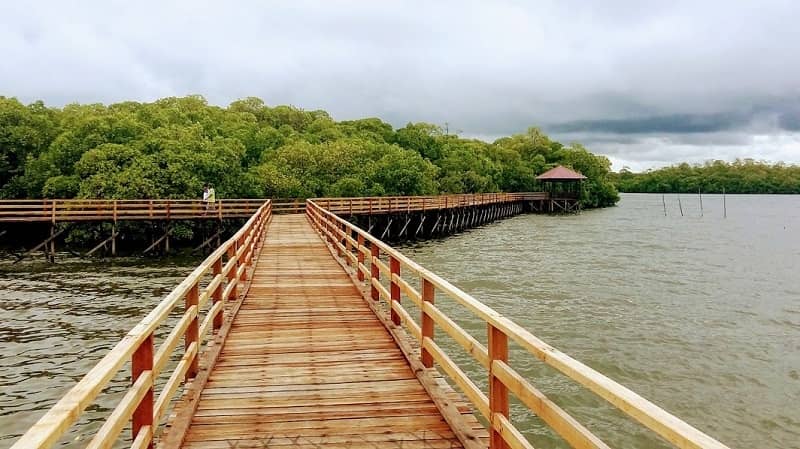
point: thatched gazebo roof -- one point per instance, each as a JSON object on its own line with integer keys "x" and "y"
{"x": 560, "y": 174}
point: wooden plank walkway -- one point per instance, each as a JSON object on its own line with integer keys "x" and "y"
{"x": 308, "y": 364}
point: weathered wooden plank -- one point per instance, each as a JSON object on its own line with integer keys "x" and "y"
{"x": 307, "y": 358}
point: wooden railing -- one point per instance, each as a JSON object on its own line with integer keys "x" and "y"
{"x": 363, "y": 253}
{"x": 392, "y": 204}
{"x": 96, "y": 210}
{"x": 288, "y": 205}
{"x": 50, "y": 210}
{"x": 217, "y": 279}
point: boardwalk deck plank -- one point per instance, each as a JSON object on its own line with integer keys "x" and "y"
{"x": 308, "y": 364}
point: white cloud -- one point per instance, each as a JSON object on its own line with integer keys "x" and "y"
{"x": 487, "y": 68}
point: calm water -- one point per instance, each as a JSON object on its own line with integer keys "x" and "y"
{"x": 58, "y": 320}
{"x": 700, "y": 315}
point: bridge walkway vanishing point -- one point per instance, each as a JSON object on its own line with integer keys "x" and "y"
{"x": 307, "y": 363}
{"x": 307, "y": 331}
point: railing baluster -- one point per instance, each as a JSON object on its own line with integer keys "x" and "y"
{"x": 348, "y": 245}
{"x": 239, "y": 261}
{"x": 428, "y": 295}
{"x": 232, "y": 273}
{"x": 216, "y": 295}
{"x": 360, "y": 258}
{"x": 192, "y": 332}
{"x": 394, "y": 266}
{"x": 498, "y": 392}
{"x": 374, "y": 270}
{"x": 337, "y": 239}
{"x": 141, "y": 362}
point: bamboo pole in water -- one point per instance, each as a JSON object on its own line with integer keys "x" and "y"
{"x": 724, "y": 206}
{"x": 700, "y": 194}
{"x": 664, "y": 202}
{"x": 680, "y": 206}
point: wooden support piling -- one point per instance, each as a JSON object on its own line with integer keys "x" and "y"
{"x": 52, "y": 254}
{"x": 114, "y": 237}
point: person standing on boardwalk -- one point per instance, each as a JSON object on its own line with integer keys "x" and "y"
{"x": 210, "y": 197}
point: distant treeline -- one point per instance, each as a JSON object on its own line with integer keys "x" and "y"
{"x": 171, "y": 147}
{"x": 740, "y": 176}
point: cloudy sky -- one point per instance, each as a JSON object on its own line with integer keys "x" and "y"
{"x": 645, "y": 83}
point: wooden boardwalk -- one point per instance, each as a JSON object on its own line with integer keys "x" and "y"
{"x": 307, "y": 331}
{"x": 309, "y": 364}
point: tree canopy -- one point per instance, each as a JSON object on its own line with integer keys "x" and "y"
{"x": 740, "y": 176}
{"x": 171, "y": 147}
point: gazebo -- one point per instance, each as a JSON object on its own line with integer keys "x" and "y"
{"x": 564, "y": 187}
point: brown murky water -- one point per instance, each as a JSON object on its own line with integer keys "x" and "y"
{"x": 699, "y": 315}
{"x": 59, "y": 320}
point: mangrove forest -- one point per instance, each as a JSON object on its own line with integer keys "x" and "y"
{"x": 171, "y": 147}
{"x": 740, "y": 176}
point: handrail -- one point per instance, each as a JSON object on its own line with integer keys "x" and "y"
{"x": 140, "y": 403}
{"x": 391, "y": 204}
{"x": 362, "y": 252}
{"x": 55, "y": 210}
{"x": 61, "y": 210}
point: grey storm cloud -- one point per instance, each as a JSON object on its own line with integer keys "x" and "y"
{"x": 645, "y": 82}
{"x": 669, "y": 124}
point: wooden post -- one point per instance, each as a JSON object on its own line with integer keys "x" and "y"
{"x": 193, "y": 331}
{"x": 498, "y": 392}
{"x": 348, "y": 246}
{"x": 232, "y": 274}
{"x": 166, "y": 235}
{"x": 680, "y": 206}
{"x": 338, "y": 227}
{"x": 374, "y": 270}
{"x": 114, "y": 239}
{"x": 360, "y": 258}
{"x": 216, "y": 295}
{"x": 52, "y": 256}
{"x": 394, "y": 265}
{"x": 239, "y": 244}
{"x": 664, "y": 202}
{"x": 428, "y": 295}
{"x": 141, "y": 362}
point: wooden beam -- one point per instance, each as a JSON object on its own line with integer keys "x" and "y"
{"x": 101, "y": 244}
{"x": 208, "y": 241}
{"x": 156, "y": 243}
{"x": 44, "y": 243}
